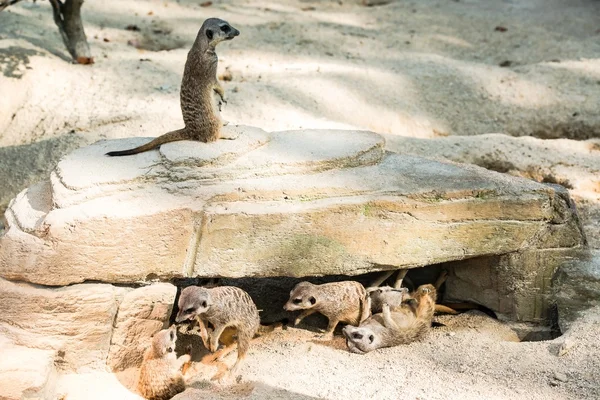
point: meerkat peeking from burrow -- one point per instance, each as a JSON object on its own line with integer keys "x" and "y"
{"x": 161, "y": 375}
{"x": 406, "y": 324}
{"x": 225, "y": 308}
{"x": 339, "y": 301}
{"x": 199, "y": 106}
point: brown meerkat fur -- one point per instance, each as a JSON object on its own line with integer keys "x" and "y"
{"x": 161, "y": 375}
{"x": 386, "y": 294}
{"x": 225, "y": 308}
{"x": 199, "y": 107}
{"x": 390, "y": 328}
{"x": 339, "y": 301}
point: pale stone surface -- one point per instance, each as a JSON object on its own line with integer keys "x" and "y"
{"x": 142, "y": 313}
{"x": 75, "y": 322}
{"x": 574, "y": 164}
{"x": 577, "y": 287}
{"x": 98, "y": 385}
{"x": 26, "y": 373}
{"x": 517, "y": 286}
{"x": 304, "y": 203}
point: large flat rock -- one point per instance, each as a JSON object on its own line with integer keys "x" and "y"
{"x": 283, "y": 204}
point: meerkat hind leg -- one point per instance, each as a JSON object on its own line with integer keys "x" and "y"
{"x": 382, "y": 278}
{"x": 401, "y": 274}
{"x": 441, "y": 279}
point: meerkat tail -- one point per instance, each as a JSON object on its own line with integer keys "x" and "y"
{"x": 162, "y": 139}
{"x": 439, "y": 308}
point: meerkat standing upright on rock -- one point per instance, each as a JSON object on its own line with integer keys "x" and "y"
{"x": 339, "y": 301}
{"x": 224, "y": 307}
{"x": 160, "y": 375}
{"x": 200, "y": 110}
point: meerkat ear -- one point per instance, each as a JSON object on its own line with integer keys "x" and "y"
{"x": 371, "y": 338}
{"x": 172, "y": 335}
{"x": 209, "y": 34}
{"x": 312, "y": 300}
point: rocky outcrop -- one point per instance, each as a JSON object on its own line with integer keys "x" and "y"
{"x": 83, "y": 250}
{"x": 289, "y": 203}
{"x": 577, "y": 287}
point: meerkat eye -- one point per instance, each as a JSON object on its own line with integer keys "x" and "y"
{"x": 189, "y": 311}
{"x": 312, "y": 301}
{"x": 170, "y": 349}
{"x": 357, "y": 336}
{"x": 203, "y": 304}
{"x": 371, "y": 338}
{"x": 297, "y": 301}
{"x": 209, "y": 34}
{"x": 225, "y": 28}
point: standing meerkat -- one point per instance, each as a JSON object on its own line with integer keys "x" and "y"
{"x": 392, "y": 328}
{"x": 161, "y": 374}
{"x": 225, "y": 308}
{"x": 339, "y": 301}
{"x": 198, "y": 87}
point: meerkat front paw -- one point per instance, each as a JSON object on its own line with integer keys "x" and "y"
{"x": 185, "y": 358}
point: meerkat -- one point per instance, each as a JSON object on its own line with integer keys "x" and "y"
{"x": 199, "y": 85}
{"x": 406, "y": 324}
{"x": 386, "y": 294}
{"x": 339, "y": 301}
{"x": 226, "y": 308}
{"x": 161, "y": 375}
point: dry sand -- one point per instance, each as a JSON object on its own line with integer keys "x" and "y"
{"x": 422, "y": 69}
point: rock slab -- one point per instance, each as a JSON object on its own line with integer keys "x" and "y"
{"x": 298, "y": 203}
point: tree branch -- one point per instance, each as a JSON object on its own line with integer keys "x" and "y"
{"x": 6, "y": 3}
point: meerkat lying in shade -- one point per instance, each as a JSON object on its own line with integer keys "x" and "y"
{"x": 161, "y": 375}
{"x": 339, "y": 301}
{"x": 406, "y": 324}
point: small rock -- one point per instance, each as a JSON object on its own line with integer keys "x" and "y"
{"x": 561, "y": 377}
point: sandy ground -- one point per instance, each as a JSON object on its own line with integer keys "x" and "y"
{"x": 472, "y": 357}
{"x": 428, "y": 70}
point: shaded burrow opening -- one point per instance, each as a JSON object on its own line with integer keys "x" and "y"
{"x": 577, "y": 128}
{"x": 270, "y": 294}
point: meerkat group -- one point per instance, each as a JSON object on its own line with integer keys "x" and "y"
{"x": 376, "y": 317}
{"x": 226, "y": 315}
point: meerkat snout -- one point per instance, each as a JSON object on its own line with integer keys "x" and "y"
{"x": 193, "y": 301}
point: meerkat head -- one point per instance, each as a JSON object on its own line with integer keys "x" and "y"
{"x": 361, "y": 339}
{"x": 301, "y": 297}
{"x": 163, "y": 342}
{"x": 193, "y": 301}
{"x": 216, "y": 30}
